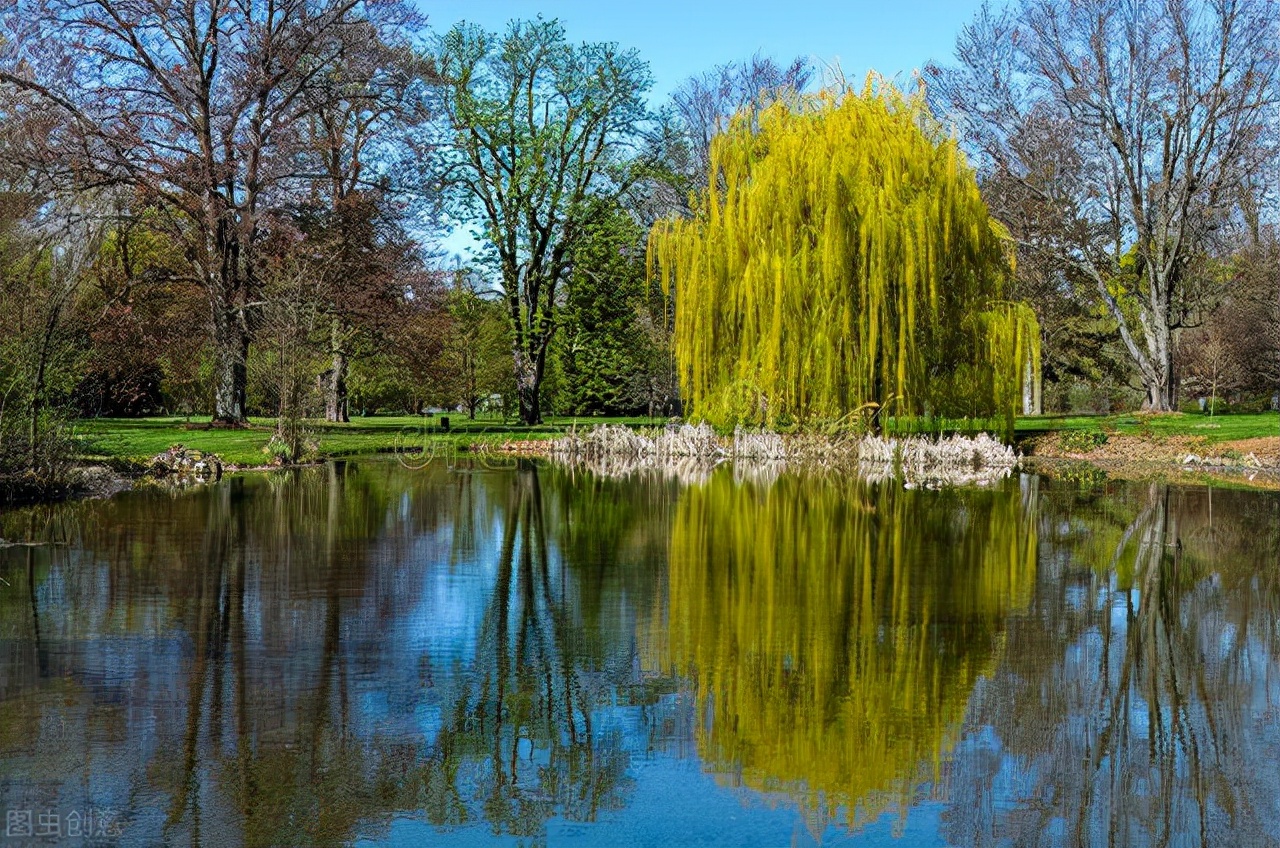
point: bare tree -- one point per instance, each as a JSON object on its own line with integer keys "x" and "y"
{"x": 706, "y": 102}
{"x": 1253, "y": 313}
{"x": 1140, "y": 129}
{"x": 1210, "y": 368}
{"x": 198, "y": 105}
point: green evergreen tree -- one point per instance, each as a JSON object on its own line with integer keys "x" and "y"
{"x": 605, "y": 349}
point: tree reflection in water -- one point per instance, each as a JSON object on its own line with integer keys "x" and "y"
{"x": 1137, "y": 703}
{"x": 836, "y": 628}
{"x": 269, "y": 750}
{"x": 523, "y": 708}
{"x": 234, "y": 638}
{"x": 326, "y": 655}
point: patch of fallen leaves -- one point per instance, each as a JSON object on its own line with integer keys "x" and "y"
{"x": 1182, "y": 450}
{"x": 523, "y": 447}
{"x": 1265, "y": 448}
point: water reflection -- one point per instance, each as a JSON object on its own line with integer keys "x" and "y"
{"x": 836, "y": 629}
{"x": 295, "y": 658}
{"x": 361, "y": 652}
{"x": 527, "y": 690}
{"x": 1140, "y": 705}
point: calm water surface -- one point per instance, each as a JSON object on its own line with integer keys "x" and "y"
{"x": 365, "y": 653}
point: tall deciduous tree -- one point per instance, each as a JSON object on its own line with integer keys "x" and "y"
{"x": 1138, "y": 128}
{"x": 364, "y": 112}
{"x": 538, "y": 126}
{"x": 842, "y": 259}
{"x": 364, "y": 262}
{"x": 197, "y": 104}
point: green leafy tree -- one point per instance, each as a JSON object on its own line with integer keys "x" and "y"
{"x": 843, "y": 259}
{"x": 478, "y": 347}
{"x": 538, "y": 126}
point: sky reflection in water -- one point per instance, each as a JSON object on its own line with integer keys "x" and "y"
{"x": 468, "y": 655}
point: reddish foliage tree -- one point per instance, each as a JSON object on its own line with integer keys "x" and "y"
{"x": 201, "y": 107}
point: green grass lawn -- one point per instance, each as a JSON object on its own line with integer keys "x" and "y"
{"x": 134, "y": 440}
{"x": 1220, "y": 428}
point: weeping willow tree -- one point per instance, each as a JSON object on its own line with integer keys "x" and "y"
{"x": 836, "y": 629}
{"x": 842, "y": 259}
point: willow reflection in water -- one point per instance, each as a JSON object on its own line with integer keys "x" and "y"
{"x": 836, "y": 628}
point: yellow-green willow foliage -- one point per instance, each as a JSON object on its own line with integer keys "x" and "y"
{"x": 842, "y": 256}
{"x": 835, "y": 629}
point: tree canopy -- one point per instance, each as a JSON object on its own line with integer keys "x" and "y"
{"x": 538, "y": 126}
{"x": 1127, "y": 140}
{"x": 842, "y": 258}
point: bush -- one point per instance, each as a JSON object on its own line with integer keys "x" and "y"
{"x": 1249, "y": 405}
{"x": 1084, "y": 475}
{"x": 25, "y": 474}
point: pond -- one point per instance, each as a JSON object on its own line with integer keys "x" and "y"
{"x": 469, "y": 654}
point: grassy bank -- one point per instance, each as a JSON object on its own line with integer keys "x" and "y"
{"x": 1235, "y": 449}
{"x": 133, "y": 441}
{"x": 1219, "y": 428}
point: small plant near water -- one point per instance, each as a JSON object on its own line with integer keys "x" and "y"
{"x": 1082, "y": 474}
{"x": 285, "y": 451}
{"x": 1083, "y": 441}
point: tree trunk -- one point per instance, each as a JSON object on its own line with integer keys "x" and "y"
{"x": 1159, "y": 384}
{"x": 335, "y": 403}
{"x": 231, "y": 356}
{"x": 37, "y": 388}
{"x": 1158, "y": 399}
{"x": 529, "y": 371}
{"x": 1031, "y": 390}
{"x": 473, "y": 387}
{"x": 1162, "y": 390}
{"x": 37, "y": 395}
{"x": 530, "y": 408}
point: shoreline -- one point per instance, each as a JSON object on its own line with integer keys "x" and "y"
{"x": 1183, "y": 459}
{"x": 1096, "y": 472}
{"x": 1251, "y": 462}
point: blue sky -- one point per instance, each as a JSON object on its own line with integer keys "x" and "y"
{"x": 683, "y": 38}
